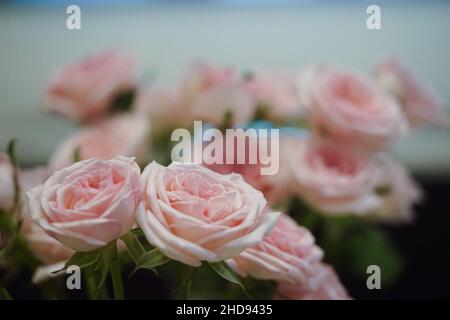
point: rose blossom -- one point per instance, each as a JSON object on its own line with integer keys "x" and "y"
{"x": 325, "y": 285}
{"x": 45, "y": 248}
{"x": 333, "y": 178}
{"x": 193, "y": 214}
{"x": 163, "y": 107}
{"x": 398, "y": 192}
{"x": 88, "y": 204}
{"x": 212, "y": 94}
{"x": 421, "y": 103}
{"x": 6, "y": 182}
{"x": 277, "y": 93}
{"x": 85, "y": 90}
{"x": 288, "y": 253}
{"x": 350, "y": 108}
{"x": 275, "y": 187}
{"x": 123, "y": 135}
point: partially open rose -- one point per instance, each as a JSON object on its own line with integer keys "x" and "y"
{"x": 420, "y": 102}
{"x": 193, "y": 214}
{"x": 333, "y": 178}
{"x": 350, "y": 108}
{"x": 85, "y": 90}
{"x": 124, "y": 135}
{"x": 88, "y": 204}
{"x": 288, "y": 253}
{"x": 324, "y": 285}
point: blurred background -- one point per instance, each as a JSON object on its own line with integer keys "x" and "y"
{"x": 167, "y": 35}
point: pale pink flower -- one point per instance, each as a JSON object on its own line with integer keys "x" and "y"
{"x": 399, "y": 194}
{"x": 163, "y": 106}
{"x": 333, "y": 178}
{"x": 85, "y": 90}
{"x": 214, "y": 94}
{"x": 45, "y": 248}
{"x": 288, "y": 254}
{"x": 88, "y": 204}
{"x": 324, "y": 285}
{"x": 193, "y": 214}
{"x": 348, "y": 107}
{"x": 275, "y": 187}
{"x": 420, "y": 102}
{"x": 277, "y": 94}
{"x": 122, "y": 135}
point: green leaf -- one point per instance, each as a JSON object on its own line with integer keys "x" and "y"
{"x": 225, "y": 272}
{"x": 107, "y": 253}
{"x": 7, "y": 249}
{"x": 150, "y": 260}
{"x": 138, "y": 232}
{"x": 372, "y": 247}
{"x": 76, "y": 157}
{"x": 82, "y": 260}
{"x": 134, "y": 247}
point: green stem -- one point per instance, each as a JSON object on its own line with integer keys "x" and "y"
{"x": 116, "y": 276}
{"x": 185, "y": 290}
{"x": 4, "y": 294}
{"x": 91, "y": 288}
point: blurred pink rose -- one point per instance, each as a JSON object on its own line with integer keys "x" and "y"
{"x": 88, "y": 204}
{"x": 163, "y": 107}
{"x": 275, "y": 187}
{"x": 421, "y": 103}
{"x": 289, "y": 254}
{"x": 398, "y": 192}
{"x": 193, "y": 214}
{"x": 122, "y": 135}
{"x": 278, "y": 93}
{"x": 212, "y": 94}
{"x": 325, "y": 285}
{"x": 85, "y": 90}
{"x": 201, "y": 77}
{"x": 333, "y": 178}
{"x": 6, "y": 183}
{"x": 349, "y": 108}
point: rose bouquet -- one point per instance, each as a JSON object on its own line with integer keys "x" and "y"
{"x": 112, "y": 201}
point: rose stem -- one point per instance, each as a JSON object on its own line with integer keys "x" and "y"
{"x": 116, "y": 276}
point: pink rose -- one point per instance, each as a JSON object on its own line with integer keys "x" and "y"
{"x": 124, "y": 135}
{"x": 193, "y": 214}
{"x": 333, "y": 178}
{"x": 275, "y": 187}
{"x": 277, "y": 94}
{"x": 88, "y": 204}
{"x": 351, "y": 109}
{"x": 289, "y": 254}
{"x": 398, "y": 192}
{"x": 421, "y": 103}
{"x": 212, "y": 94}
{"x": 85, "y": 90}
{"x": 201, "y": 77}
{"x": 163, "y": 107}
{"x": 6, "y": 183}
{"x": 325, "y": 285}
{"x": 45, "y": 248}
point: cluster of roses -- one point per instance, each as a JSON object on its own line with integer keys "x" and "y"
{"x": 337, "y": 164}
